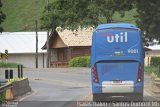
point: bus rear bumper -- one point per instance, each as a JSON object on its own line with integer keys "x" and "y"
{"x": 118, "y": 92}
{"x": 118, "y": 97}
{"x": 117, "y": 89}
{"x": 125, "y": 88}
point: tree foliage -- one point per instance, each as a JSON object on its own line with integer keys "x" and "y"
{"x": 72, "y": 14}
{"x": 149, "y": 18}
{"x": 2, "y": 16}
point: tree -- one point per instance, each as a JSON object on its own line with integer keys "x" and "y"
{"x": 149, "y": 18}
{"x": 72, "y": 14}
{"x": 2, "y": 16}
{"x": 75, "y": 14}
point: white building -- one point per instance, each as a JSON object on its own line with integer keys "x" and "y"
{"x": 154, "y": 51}
{"x": 21, "y": 47}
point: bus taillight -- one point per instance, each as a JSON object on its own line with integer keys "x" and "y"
{"x": 95, "y": 74}
{"x": 139, "y": 79}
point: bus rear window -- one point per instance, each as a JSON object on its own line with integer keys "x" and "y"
{"x": 117, "y": 41}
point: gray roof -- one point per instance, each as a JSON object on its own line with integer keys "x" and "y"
{"x": 22, "y": 42}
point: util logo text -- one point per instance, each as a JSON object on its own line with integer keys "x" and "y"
{"x": 122, "y": 37}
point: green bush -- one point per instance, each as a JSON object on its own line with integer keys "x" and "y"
{"x": 8, "y": 65}
{"x": 2, "y": 97}
{"x": 152, "y": 69}
{"x": 155, "y": 61}
{"x": 83, "y": 61}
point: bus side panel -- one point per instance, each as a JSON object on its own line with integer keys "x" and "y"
{"x": 93, "y": 56}
{"x": 93, "y": 51}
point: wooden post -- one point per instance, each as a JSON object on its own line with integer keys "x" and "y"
{"x": 36, "y": 57}
{"x": 43, "y": 60}
{"x": 48, "y": 50}
{"x": 48, "y": 46}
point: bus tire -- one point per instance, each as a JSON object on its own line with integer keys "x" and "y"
{"x": 138, "y": 97}
{"x": 96, "y": 97}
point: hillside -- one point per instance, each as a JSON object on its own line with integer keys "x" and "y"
{"x": 21, "y": 14}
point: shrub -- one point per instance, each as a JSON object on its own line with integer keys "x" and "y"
{"x": 8, "y": 65}
{"x": 83, "y": 61}
{"x": 153, "y": 69}
{"x": 2, "y": 97}
{"x": 155, "y": 61}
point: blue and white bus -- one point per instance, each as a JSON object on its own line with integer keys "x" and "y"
{"x": 117, "y": 62}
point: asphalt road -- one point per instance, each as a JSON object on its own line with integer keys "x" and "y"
{"x": 57, "y": 87}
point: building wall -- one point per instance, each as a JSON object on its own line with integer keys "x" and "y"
{"x": 69, "y": 53}
{"x": 80, "y": 51}
{"x": 54, "y": 56}
{"x": 147, "y": 60}
{"x": 28, "y": 60}
{"x": 153, "y": 53}
{"x": 149, "y": 54}
{"x": 61, "y": 56}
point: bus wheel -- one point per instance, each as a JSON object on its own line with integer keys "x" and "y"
{"x": 99, "y": 98}
{"x": 96, "y": 97}
{"x": 138, "y": 97}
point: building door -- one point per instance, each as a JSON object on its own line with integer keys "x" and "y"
{"x": 62, "y": 54}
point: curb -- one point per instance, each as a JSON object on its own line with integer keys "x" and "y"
{"x": 19, "y": 88}
{"x": 157, "y": 82}
{"x": 47, "y": 69}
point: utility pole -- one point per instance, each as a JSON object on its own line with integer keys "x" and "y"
{"x": 48, "y": 50}
{"x": 48, "y": 46}
{"x": 36, "y": 57}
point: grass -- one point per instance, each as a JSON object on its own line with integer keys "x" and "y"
{"x": 153, "y": 70}
{"x": 8, "y": 65}
{"x": 21, "y": 15}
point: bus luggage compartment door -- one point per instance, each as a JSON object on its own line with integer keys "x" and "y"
{"x": 117, "y": 76}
